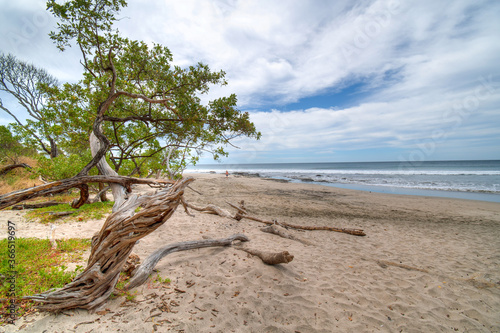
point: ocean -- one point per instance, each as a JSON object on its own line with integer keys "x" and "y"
{"x": 475, "y": 180}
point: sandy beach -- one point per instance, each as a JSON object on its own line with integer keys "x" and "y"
{"x": 425, "y": 265}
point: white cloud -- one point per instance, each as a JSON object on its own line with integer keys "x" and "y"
{"x": 416, "y": 59}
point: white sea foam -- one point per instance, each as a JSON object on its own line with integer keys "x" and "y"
{"x": 473, "y": 176}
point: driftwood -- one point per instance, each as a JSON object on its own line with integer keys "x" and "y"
{"x": 36, "y": 205}
{"x": 111, "y": 248}
{"x": 8, "y": 168}
{"x": 243, "y": 214}
{"x": 101, "y": 195}
{"x": 59, "y": 186}
{"x": 270, "y": 258}
{"x": 279, "y": 231}
{"x": 60, "y": 214}
{"x": 144, "y": 270}
{"x": 355, "y": 232}
{"x": 210, "y": 209}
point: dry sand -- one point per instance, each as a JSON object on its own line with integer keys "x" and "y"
{"x": 426, "y": 265}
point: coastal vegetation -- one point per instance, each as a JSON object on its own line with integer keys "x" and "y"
{"x": 39, "y": 268}
{"x": 143, "y": 115}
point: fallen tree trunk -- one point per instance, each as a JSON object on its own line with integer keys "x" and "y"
{"x": 355, "y": 232}
{"x": 8, "y": 168}
{"x": 59, "y": 186}
{"x": 111, "y": 248}
{"x": 242, "y": 214}
{"x": 60, "y": 214}
{"x": 37, "y": 205}
{"x": 144, "y": 270}
{"x": 270, "y": 258}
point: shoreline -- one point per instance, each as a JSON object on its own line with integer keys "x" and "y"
{"x": 425, "y": 264}
{"x": 476, "y": 196}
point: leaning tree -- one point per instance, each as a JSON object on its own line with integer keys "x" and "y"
{"x": 133, "y": 87}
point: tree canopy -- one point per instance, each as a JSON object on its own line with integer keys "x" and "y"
{"x": 148, "y": 109}
{"x": 131, "y": 92}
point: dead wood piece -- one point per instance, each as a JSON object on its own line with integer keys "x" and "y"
{"x": 210, "y": 209}
{"x": 241, "y": 208}
{"x": 144, "y": 271}
{"x": 241, "y": 214}
{"x": 111, "y": 248}
{"x": 36, "y": 205}
{"x": 60, "y": 214}
{"x": 355, "y": 232}
{"x": 59, "y": 186}
{"x": 131, "y": 264}
{"x": 279, "y": 231}
{"x": 270, "y": 258}
{"x": 101, "y": 195}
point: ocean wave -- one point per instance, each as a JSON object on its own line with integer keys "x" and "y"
{"x": 404, "y": 183}
{"x": 364, "y": 172}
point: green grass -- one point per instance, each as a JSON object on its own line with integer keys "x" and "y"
{"x": 39, "y": 267}
{"x": 93, "y": 211}
{"x": 162, "y": 280}
{"x": 123, "y": 280}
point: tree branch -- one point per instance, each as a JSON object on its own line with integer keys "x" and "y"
{"x": 13, "y": 198}
{"x": 144, "y": 271}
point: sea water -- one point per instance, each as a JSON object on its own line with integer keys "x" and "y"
{"x": 479, "y": 180}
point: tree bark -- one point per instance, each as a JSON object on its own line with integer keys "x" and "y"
{"x": 119, "y": 192}
{"x": 37, "y": 205}
{"x": 54, "y": 152}
{"x": 59, "y": 186}
{"x": 102, "y": 192}
{"x": 144, "y": 270}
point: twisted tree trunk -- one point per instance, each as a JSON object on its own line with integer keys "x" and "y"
{"x": 111, "y": 248}
{"x": 114, "y": 243}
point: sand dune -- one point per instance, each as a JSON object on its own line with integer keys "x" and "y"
{"x": 426, "y": 265}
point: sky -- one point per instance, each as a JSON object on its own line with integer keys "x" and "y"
{"x": 323, "y": 81}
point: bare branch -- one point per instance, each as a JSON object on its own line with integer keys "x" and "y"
{"x": 13, "y": 198}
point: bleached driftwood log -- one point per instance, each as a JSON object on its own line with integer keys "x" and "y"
{"x": 111, "y": 248}
{"x": 146, "y": 268}
{"x": 113, "y": 244}
{"x": 243, "y": 214}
